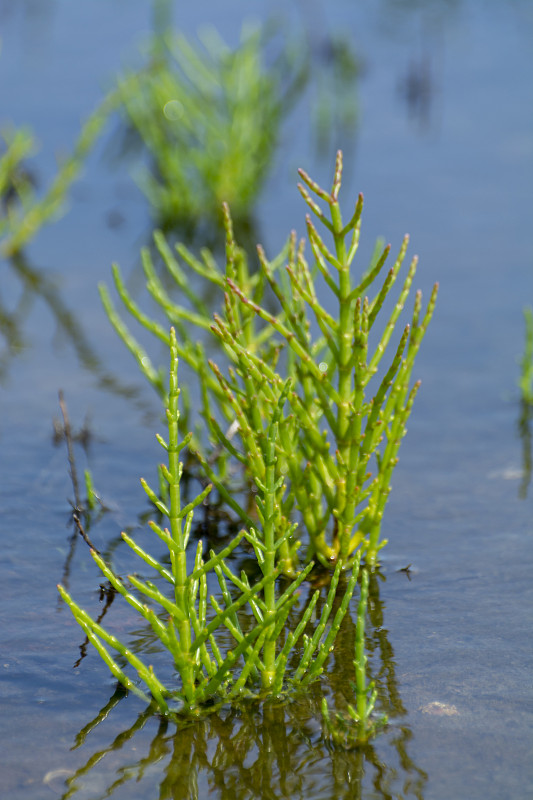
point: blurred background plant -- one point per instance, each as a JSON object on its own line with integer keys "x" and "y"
{"x": 23, "y": 210}
{"x": 209, "y": 119}
{"x": 206, "y": 119}
{"x": 16, "y": 182}
{"x": 202, "y": 121}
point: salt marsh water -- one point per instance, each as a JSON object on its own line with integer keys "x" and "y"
{"x": 443, "y": 150}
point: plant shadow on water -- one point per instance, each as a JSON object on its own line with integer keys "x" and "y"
{"x": 276, "y": 748}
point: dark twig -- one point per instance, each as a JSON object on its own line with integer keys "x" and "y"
{"x": 78, "y": 505}
{"x": 70, "y": 450}
{"x": 78, "y": 523}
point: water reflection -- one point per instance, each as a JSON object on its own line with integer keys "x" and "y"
{"x": 35, "y": 12}
{"x": 335, "y": 69}
{"x": 394, "y": 15}
{"x": 29, "y": 285}
{"x": 270, "y": 749}
{"x": 273, "y": 751}
{"x": 525, "y": 423}
{"x": 417, "y": 89}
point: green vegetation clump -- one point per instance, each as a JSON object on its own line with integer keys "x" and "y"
{"x": 290, "y": 405}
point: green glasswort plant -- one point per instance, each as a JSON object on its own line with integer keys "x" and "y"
{"x": 209, "y": 118}
{"x": 339, "y": 445}
{"x": 209, "y": 669}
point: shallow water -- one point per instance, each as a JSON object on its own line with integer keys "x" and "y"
{"x": 454, "y": 168}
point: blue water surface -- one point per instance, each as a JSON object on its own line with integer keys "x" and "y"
{"x": 444, "y": 151}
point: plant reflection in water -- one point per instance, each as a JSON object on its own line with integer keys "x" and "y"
{"x": 273, "y": 749}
